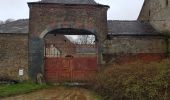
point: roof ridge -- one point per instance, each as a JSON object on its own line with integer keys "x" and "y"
{"x": 123, "y": 20}
{"x": 14, "y": 21}
{"x": 114, "y": 26}
{"x": 69, "y": 1}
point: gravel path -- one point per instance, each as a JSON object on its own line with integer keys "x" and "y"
{"x": 57, "y": 94}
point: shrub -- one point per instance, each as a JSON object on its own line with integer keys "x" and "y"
{"x": 135, "y": 81}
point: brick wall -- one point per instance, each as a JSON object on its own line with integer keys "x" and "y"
{"x": 13, "y": 55}
{"x": 88, "y": 17}
{"x": 47, "y": 17}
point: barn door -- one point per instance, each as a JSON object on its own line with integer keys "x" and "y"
{"x": 69, "y": 62}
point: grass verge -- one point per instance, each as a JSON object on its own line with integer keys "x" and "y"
{"x": 20, "y": 88}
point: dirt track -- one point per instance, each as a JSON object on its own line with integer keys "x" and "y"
{"x": 56, "y": 94}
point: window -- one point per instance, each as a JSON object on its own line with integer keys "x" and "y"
{"x": 167, "y": 3}
{"x": 149, "y": 13}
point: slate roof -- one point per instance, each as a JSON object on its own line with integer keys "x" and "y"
{"x": 114, "y": 27}
{"x": 70, "y": 1}
{"x": 18, "y": 26}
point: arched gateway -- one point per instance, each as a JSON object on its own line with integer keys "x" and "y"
{"x": 76, "y": 17}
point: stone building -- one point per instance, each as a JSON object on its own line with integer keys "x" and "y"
{"x": 23, "y": 42}
{"x": 157, "y": 13}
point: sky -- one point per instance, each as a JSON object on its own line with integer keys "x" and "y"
{"x": 119, "y": 9}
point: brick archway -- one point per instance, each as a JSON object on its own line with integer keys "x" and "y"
{"x": 98, "y": 38}
{"x": 69, "y": 65}
{"x": 47, "y": 17}
{"x": 84, "y": 30}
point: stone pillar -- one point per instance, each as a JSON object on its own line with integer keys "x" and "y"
{"x": 36, "y": 57}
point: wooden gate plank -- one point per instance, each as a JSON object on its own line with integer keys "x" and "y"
{"x": 69, "y": 69}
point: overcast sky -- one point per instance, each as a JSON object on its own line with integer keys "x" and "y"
{"x": 119, "y": 9}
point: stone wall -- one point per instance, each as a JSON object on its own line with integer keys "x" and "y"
{"x": 133, "y": 48}
{"x": 158, "y": 13}
{"x": 13, "y": 55}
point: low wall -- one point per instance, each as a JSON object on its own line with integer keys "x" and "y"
{"x": 13, "y": 55}
{"x": 123, "y": 49}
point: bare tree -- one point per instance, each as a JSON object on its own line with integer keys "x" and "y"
{"x": 9, "y": 20}
{"x": 1, "y": 22}
{"x": 82, "y": 39}
{"x": 85, "y": 39}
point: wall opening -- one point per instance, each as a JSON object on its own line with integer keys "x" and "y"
{"x": 62, "y": 45}
{"x": 167, "y": 3}
{"x": 69, "y": 56}
{"x": 149, "y": 12}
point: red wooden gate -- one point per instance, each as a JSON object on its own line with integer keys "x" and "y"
{"x": 60, "y": 68}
